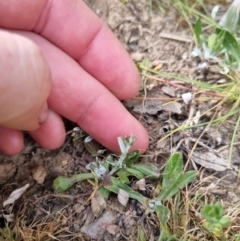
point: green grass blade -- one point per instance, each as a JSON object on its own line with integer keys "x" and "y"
{"x": 198, "y": 32}
{"x": 233, "y": 139}
{"x": 141, "y": 234}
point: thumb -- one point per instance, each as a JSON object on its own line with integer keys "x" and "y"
{"x": 25, "y": 83}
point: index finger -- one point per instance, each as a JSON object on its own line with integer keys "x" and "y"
{"x": 75, "y": 29}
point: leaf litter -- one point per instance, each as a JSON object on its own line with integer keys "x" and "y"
{"x": 163, "y": 106}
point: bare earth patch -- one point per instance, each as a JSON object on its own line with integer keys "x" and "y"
{"x": 166, "y": 41}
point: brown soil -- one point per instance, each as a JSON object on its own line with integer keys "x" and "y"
{"x": 165, "y": 39}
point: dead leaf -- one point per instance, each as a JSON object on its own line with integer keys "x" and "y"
{"x": 91, "y": 145}
{"x": 112, "y": 228}
{"x": 169, "y": 90}
{"x": 15, "y": 195}
{"x": 161, "y": 144}
{"x": 141, "y": 185}
{"x": 96, "y": 229}
{"x": 78, "y": 208}
{"x": 151, "y": 84}
{"x": 211, "y": 161}
{"x": 107, "y": 181}
{"x": 123, "y": 197}
{"x": 152, "y": 107}
{"x": 98, "y": 204}
{"x": 39, "y": 174}
{"x": 158, "y": 67}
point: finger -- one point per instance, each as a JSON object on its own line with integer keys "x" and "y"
{"x": 25, "y": 83}
{"x": 74, "y": 28}
{"x": 11, "y": 141}
{"x": 51, "y": 133}
{"x": 80, "y": 98}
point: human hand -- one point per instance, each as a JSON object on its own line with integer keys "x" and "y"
{"x": 90, "y": 72}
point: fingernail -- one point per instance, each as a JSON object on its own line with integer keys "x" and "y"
{"x": 44, "y": 114}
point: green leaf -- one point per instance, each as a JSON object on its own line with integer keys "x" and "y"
{"x": 112, "y": 188}
{"x": 186, "y": 178}
{"x": 218, "y": 44}
{"x": 224, "y": 222}
{"x": 214, "y": 218}
{"x": 182, "y": 181}
{"x": 61, "y": 184}
{"x": 149, "y": 170}
{"x": 172, "y": 171}
{"x": 131, "y": 158}
{"x": 135, "y": 173}
{"x": 123, "y": 176}
{"x": 214, "y": 214}
{"x": 198, "y": 32}
{"x": 173, "y": 179}
{"x": 212, "y": 41}
{"x": 104, "y": 192}
{"x": 110, "y": 160}
{"x": 231, "y": 18}
{"x": 163, "y": 213}
{"x": 132, "y": 194}
{"x": 146, "y": 62}
{"x": 230, "y": 45}
{"x": 115, "y": 185}
{"x": 124, "y": 173}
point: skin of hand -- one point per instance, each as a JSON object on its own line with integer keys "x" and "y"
{"x": 59, "y": 59}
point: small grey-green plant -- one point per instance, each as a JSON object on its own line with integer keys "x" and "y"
{"x": 123, "y": 166}
{"x": 114, "y": 173}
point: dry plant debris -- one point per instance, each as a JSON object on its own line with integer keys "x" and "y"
{"x": 188, "y": 103}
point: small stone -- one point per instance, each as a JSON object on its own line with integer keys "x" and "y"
{"x": 137, "y": 56}
{"x": 39, "y": 174}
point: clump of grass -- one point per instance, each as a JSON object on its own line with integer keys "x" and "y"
{"x": 218, "y": 41}
{"x": 6, "y": 233}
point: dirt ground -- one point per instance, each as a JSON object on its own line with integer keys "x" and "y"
{"x": 167, "y": 42}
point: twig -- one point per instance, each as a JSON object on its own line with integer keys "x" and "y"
{"x": 176, "y": 37}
